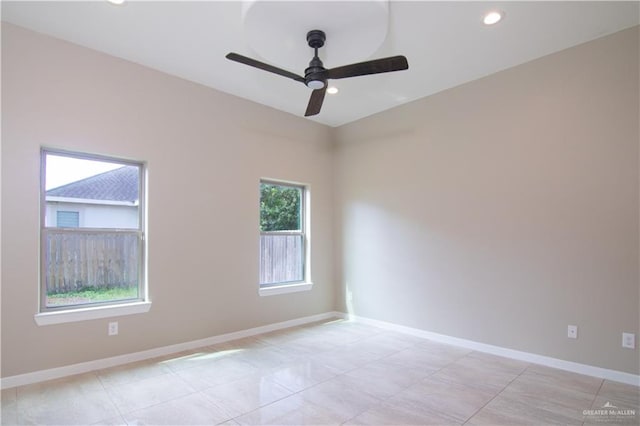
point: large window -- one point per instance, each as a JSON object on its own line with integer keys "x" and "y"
{"x": 283, "y": 236}
{"x": 92, "y": 238}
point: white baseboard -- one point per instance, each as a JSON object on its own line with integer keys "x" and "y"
{"x": 55, "y": 373}
{"x": 603, "y": 373}
{"x": 84, "y": 367}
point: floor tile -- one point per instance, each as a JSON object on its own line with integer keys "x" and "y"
{"x": 622, "y": 393}
{"x": 309, "y": 345}
{"x": 147, "y": 392}
{"x": 532, "y": 386}
{"x": 131, "y": 372}
{"x": 420, "y": 359}
{"x": 564, "y": 379}
{"x": 341, "y": 398}
{"x": 455, "y": 401}
{"x": 428, "y": 402}
{"x": 475, "y": 375}
{"x": 223, "y": 371}
{"x": 266, "y": 358}
{"x": 496, "y": 363}
{"x": 383, "y": 344}
{"x": 193, "y": 409}
{"x": 9, "y": 396}
{"x": 301, "y": 375}
{"x": 402, "y": 410}
{"x": 293, "y": 410}
{"x": 346, "y": 358}
{"x": 200, "y": 358}
{"x": 383, "y": 380}
{"x": 113, "y": 421}
{"x": 344, "y": 325}
{"x": 442, "y": 348}
{"x": 344, "y": 333}
{"x": 246, "y": 343}
{"x": 245, "y": 395}
{"x": 8, "y": 410}
{"x": 77, "y": 399}
{"x": 280, "y": 337}
{"x": 525, "y": 411}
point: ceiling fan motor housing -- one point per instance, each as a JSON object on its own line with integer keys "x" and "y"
{"x": 315, "y": 74}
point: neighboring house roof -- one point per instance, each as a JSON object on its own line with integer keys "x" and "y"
{"x": 115, "y": 185}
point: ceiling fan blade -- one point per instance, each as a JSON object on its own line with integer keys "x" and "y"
{"x": 376, "y": 66}
{"x": 315, "y": 101}
{"x": 261, "y": 65}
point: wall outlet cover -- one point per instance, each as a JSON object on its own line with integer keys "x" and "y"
{"x": 629, "y": 340}
{"x": 113, "y": 328}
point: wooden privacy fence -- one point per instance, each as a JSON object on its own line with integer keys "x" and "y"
{"x": 281, "y": 258}
{"x": 76, "y": 260}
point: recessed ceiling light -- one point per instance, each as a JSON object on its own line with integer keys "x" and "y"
{"x": 332, "y": 90}
{"x": 116, "y": 2}
{"x": 493, "y": 17}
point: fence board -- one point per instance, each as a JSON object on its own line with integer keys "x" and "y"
{"x": 281, "y": 258}
{"x": 74, "y": 261}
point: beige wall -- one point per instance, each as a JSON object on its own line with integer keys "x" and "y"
{"x": 503, "y": 210}
{"x": 206, "y": 152}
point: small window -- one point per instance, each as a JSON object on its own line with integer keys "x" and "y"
{"x": 283, "y": 236}
{"x": 67, "y": 219}
{"x": 99, "y": 260}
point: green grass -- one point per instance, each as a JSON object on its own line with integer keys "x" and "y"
{"x": 91, "y": 295}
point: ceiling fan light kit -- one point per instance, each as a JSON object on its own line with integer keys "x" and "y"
{"x": 316, "y": 75}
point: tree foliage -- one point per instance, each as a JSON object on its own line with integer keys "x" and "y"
{"x": 279, "y": 207}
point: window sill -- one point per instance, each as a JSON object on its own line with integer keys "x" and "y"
{"x": 91, "y": 313}
{"x": 284, "y": 289}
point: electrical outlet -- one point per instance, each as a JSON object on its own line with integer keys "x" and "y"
{"x": 629, "y": 340}
{"x": 113, "y": 328}
{"x": 572, "y": 332}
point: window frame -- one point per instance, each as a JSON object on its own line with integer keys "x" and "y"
{"x": 305, "y": 283}
{"x": 52, "y": 314}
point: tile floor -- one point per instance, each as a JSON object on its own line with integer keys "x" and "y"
{"x": 328, "y": 373}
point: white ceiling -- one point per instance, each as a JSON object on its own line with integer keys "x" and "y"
{"x": 445, "y": 42}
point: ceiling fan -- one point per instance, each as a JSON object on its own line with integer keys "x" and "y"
{"x": 316, "y": 76}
